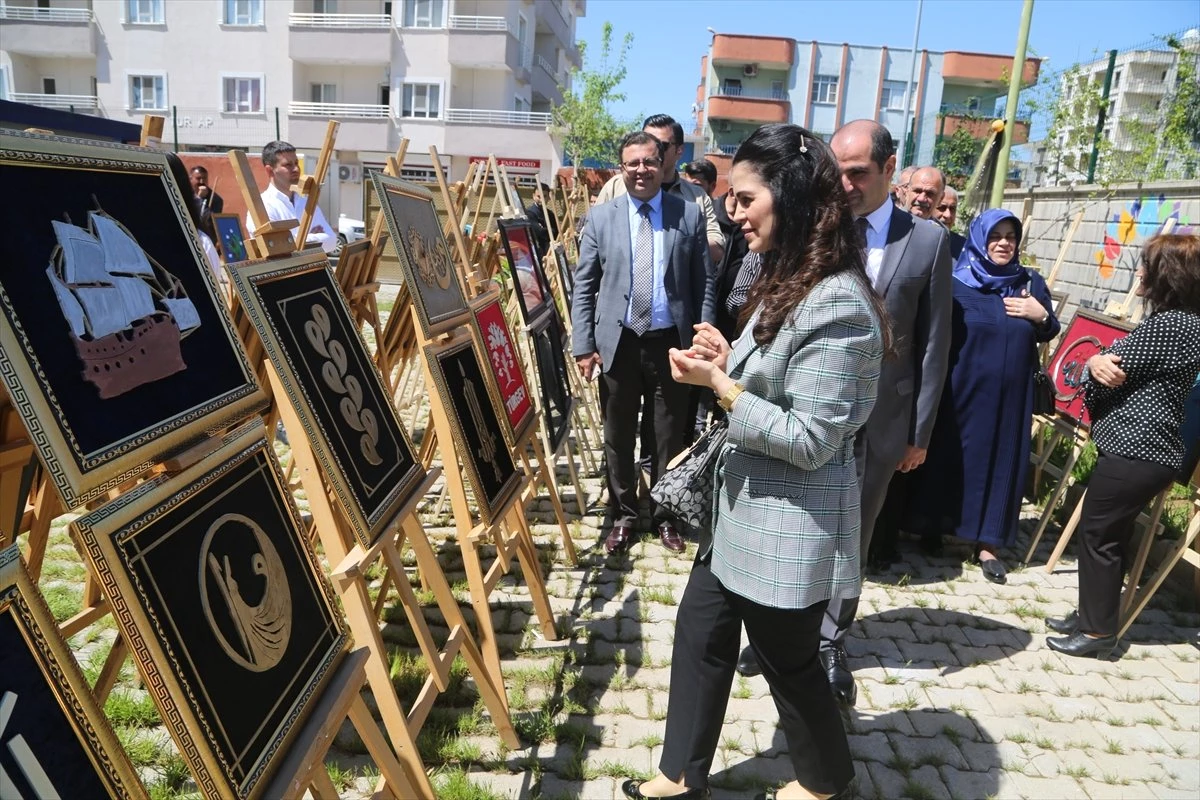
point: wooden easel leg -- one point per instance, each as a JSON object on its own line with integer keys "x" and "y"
{"x": 1143, "y": 551}
{"x": 45, "y": 508}
{"x": 546, "y": 471}
{"x": 320, "y": 785}
{"x": 1141, "y": 597}
{"x": 111, "y": 670}
{"x": 580, "y": 495}
{"x": 527, "y": 553}
{"x": 391, "y": 773}
{"x": 488, "y": 646}
{"x": 1064, "y": 483}
{"x": 1067, "y": 531}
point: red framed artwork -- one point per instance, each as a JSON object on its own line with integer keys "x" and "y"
{"x": 506, "y": 367}
{"x": 1088, "y": 333}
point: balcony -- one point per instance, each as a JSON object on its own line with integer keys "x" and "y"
{"x": 483, "y": 116}
{"x": 545, "y": 80}
{"x": 553, "y": 20}
{"x": 48, "y": 32}
{"x": 985, "y": 69}
{"x": 362, "y": 127}
{"x": 340, "y": 38}
{"x": 477, "y": 131}
{"x": 748, "y": 109}
{"x": 484, "y": 43}
{"x": 753, "y": 94}
{"x": 478, "y": 23}
{"x": 78, "y": 103}
{"x": 978, "y": 127}
{"x": 1143, "y": 86}
{"x": 769, "y": 52}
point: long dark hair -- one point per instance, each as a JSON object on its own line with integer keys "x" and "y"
{"x": 813, "y": 233}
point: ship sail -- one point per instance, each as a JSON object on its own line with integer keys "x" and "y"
{"x": 122, "y": 256}
{"x": 70, "y": 306}
{"x": 184, "y": 312}
{"x": 135, "y": 293}
{"x": 83, "y": 258}
{"x": 105, "y": 309}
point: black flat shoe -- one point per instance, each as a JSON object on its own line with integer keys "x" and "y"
{"x": 747, "y": 664}
{"x": 841, "y": 680}
{"x": 633, "y": 790}
{"x": 1080, "y": 644}
{"x": 844, "y": 794}
{"x": 1064, "y": 625}
{"x": 993, "y": 570}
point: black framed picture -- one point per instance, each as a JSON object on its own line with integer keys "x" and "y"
{"x": 115, "y": 344}
{"x": 213, "y": 583}
{"x": 557, "y": 400}
{"x": 529, "y": 279}
{"x": 478, "y": 436}
{"x": 425, "y": 257}
{"x": 54, "y": 739}
{"x": 330, "y": 378}
{"x": 566, "y": 273}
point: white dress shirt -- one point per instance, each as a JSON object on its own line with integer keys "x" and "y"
{"x": 660, "y": 311}
{"x": 879, "y": 222}
{"x": 280, "y": 206}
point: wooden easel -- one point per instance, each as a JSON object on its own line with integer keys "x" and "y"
{"x": 1063, "y": 429}
{"x": 152, "y": 131}
{"x": 1062, "y": 250}
{"x": 310, "y": 186}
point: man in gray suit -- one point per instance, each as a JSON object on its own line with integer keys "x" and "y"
{"x": 908, "y": 261}
{"x": 643, "y": 280}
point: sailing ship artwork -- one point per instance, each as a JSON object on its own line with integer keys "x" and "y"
{"x": 126, "y": 313}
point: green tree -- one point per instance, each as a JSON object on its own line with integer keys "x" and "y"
{"x": 584, "y": 118}
{"x": 955, "y": 155}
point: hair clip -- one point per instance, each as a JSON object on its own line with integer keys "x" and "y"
{"x": 803, "y": 146}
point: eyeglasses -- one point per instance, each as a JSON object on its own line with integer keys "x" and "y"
{"x": 648, "y": 163}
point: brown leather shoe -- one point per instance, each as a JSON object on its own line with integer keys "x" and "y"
{"x": 671, "y": 538}
{"x": 619, "y": 538}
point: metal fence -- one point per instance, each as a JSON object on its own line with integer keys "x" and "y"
{"x": 201, "y": 129}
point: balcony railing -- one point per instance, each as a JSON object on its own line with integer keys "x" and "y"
{"x": 479, "y": 116}
{"x": 1146, "y": 87}
{"x": 479, "y": 23}
{"x": 544, "y": 64}
{"x": 65, "y": 102}
{"x": 339, "y": 20}
{"x": 753, "y": 94}
{"x": 725, "y": 149}
{"x": 338, "y": 110}
{"x": 25, "y": 14}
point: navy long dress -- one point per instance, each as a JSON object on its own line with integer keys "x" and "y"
{"x": 971, "y": 482}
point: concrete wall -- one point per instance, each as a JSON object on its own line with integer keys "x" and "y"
{"x": 1117, "y": 222}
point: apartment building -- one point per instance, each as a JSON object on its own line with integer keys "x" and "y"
{"x": 471, "y": 77}
{"x": 747, "y": 81}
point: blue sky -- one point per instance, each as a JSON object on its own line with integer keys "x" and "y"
{"x": 670, "y": 36}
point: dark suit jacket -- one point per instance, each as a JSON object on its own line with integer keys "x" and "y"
{"x": 915, "y": 283}
{"x": 602, "y": 277}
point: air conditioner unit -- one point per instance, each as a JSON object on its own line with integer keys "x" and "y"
{"x": 750, "y": 70}
{"x": 350, "y": 174}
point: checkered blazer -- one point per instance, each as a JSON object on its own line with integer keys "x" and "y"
{"x": 786, "y": 501}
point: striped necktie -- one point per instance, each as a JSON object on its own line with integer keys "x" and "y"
{"x": 642, "y": 295}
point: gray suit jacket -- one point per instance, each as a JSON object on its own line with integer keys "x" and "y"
{"x": 602, "y": 277}
{"x": 915, "y": 283}
{"x": 786, "y": 516}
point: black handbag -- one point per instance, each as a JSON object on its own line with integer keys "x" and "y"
{"x": 685, "y": 490}
{"x": 1043, "y": 388}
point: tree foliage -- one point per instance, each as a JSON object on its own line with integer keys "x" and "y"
{"x": 956, "y": 155}
{"x": 584, "y": 119}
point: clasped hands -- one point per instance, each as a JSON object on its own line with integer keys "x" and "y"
{"x": 703, "y": 363}
{"x": 1103, "y": 367}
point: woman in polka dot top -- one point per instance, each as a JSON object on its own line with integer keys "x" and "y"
{"x": 1135, "y": 392}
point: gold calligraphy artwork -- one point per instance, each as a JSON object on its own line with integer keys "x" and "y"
{"x": 487, "y": 439}
{"x": 319, "y": 331}
{"x": 432, "y": 259}
{"x": 263, "y": 629}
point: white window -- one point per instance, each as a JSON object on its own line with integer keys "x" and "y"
{"x": 424, "y": 14}
{"x": 4, "y": 90}
{"x": 520, "y": 104}
{"x": 144, "y": 12}
{"x": 242, "y": 94}
{"x": 324, "y": 6}
{"x": 422, "y": 100}
{"x": 824, "y": 89}
{"x": 243, "y": 12}
{"x": 777, "y": 90}
{"x": 49, "y": 86}
{"x": 324, "y": 92}
{"x": 892, "y": 97}
{"x": 147, "y": 92}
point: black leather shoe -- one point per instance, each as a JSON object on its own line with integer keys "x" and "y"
{"x": 841, "y": 681}
{"x": 931, "y": 543}
{"x": 619, "y": 538}
{"x": 993, "y": 570}
{"x": 633, "y": 790}
{"x": 1080, "y": 644}
{"x": 1064, "y": 625}
{"x": 747, "y": 663}
{"x": 844, "y": 794}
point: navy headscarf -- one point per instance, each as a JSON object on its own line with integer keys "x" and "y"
{"x": 975, "y": 268}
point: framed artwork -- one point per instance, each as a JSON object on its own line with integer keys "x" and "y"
{"x": 518, "y": 202}
{"x": 1059, "y": 299}
{"x": 224, "y": 606}
{"x": 557, "y": 400}
{"x": 425, "y": 259}
{"x": 529, "y": 280}
{"x": 54, "y": 739}
{"x": 515, "y": 401}
{"x": 115, "y": 344}
{"x": 478, "y": 431}
{"x": 566, "y": 273}
{"x": 331, "y": 381}
{"x": 230, "y": 239}
{"x": 1088, "y": 333}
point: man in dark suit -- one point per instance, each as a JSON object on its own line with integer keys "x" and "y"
{"x": 643, "y": 280}
{"x": 207, "y": 201}
{"x": 908, "y": 261}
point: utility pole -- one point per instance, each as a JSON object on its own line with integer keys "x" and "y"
{"x": 1010, "y": 108}
{"x": 912, "y": 71}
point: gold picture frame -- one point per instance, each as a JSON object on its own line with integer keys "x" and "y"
{"x": 228, "y": 616}
{"x": 58, "y": 741}
{"x": 116, "y": 346}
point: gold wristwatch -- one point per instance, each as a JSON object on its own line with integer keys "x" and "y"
{"x": 731, "y": 394}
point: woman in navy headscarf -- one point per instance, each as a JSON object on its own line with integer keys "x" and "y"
{"x": 971, "y": 483}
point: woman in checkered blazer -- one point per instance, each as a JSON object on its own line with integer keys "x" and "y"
{"x": 797, "y": 385}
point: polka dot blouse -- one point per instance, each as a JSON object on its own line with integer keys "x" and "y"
{"x": 1141, "y": 418}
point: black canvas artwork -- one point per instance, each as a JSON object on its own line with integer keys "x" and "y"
{"x": 557, "y": 401}
{"x": 52, "y": 739}
{"x": 478, "y": 437}
{"x": 329, "y": 376}
{"x": 525, "y": 265}
{"x": 116, "y": 345}
{"x": 425, "y": 257}
{"x": 566, "y": 273}
{"x": 227, "y": 604}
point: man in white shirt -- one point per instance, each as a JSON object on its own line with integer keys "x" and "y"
{"x": 283, "y": 168}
